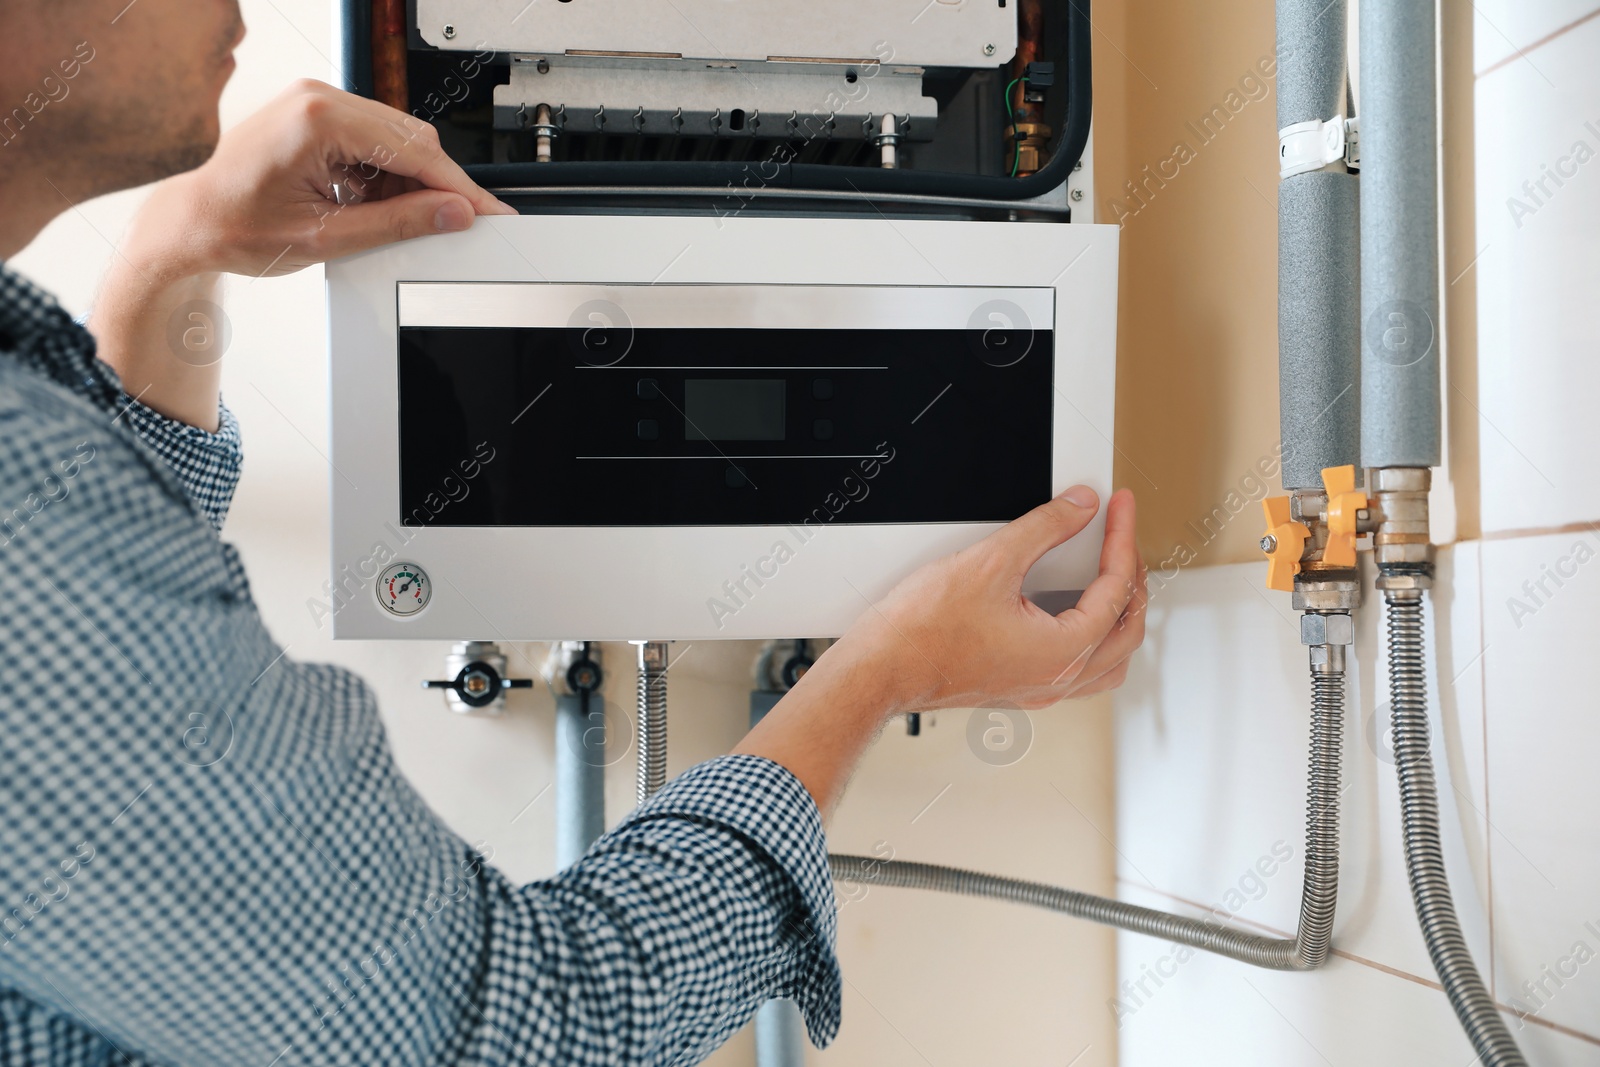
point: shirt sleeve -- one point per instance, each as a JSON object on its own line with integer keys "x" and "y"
{"x": 208, "y": 464}
{"x": 671, "y": 932}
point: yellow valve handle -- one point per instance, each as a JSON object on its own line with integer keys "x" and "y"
{"x": 1343, "y": 503}
{"x": 1288, "y": 540}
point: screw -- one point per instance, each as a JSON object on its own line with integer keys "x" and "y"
{"x": 1269, "y": 543}
{"x": 988, "y": 49}
{"x": 1077, "y": 166}
{"x": 449, "y": 32}
{"x": 543, "y": 66}
{"x": 1077, "y": 194}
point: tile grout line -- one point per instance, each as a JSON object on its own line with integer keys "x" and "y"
{"x": 1381, "y": 968}
{"x": 1535, "y": 531}
{"x": 1521, "y": 53}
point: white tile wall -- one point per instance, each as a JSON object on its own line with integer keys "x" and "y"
{"x": 1211, "y": 759}
{"x": 1548, "y": 1047}
{"x": 1506, "y": 28}
{"x": 1213, "y": 1012}
{"x": 1211, "y": 751}
{"x": 1536, "y": 277}
{"x": 1541, "y": 602}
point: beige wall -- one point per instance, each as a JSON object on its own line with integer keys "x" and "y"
{"x": 1197, "y": 401}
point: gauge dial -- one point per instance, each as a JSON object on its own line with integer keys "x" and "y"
{"x": 404, "y": 589}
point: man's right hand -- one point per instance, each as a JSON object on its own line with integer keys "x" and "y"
{"x": 264, "y": 205}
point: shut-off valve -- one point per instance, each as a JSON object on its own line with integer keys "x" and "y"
{"x": 1310, "y": 542}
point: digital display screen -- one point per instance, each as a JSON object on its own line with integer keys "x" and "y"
{"x": 734, "y": 409}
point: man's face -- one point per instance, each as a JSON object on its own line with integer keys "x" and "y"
{"x": 141, "y": 100}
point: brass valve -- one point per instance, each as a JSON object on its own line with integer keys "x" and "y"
{"x": 1284, "y": 543}
{"x": 1344, "y": 502}
{"x": 1029, "y": 141}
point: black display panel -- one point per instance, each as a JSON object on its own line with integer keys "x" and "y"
{"x": 722, "y": 427}
{"x": 734, "y": 409}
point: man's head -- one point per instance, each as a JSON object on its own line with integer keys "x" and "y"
{"x": 101, "y": 95}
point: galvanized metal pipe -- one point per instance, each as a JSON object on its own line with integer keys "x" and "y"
{"x": 580, "y": 775}
{"x": 780, "y": 1035}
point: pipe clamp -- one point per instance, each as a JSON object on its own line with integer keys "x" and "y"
{"x": 1314, "y": 144}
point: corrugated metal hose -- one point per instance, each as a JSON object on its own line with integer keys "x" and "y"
{"x": 652, "y": 762}
{"x": 1419, "y": 815}
{"x": 1306, "y": 950}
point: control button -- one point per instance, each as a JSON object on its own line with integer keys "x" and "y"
{"x": 822, "y": 429}
{"x": 649, "y": 429}
{"x": 734, "y": 477}
{"x": 649, "y": 389}
{"x": 822, "y": 389}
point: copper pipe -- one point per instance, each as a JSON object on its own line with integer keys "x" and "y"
{"x": 389, "y": 54}
{"x": 1030, "y": 37}
{"x": 1028, "y": 135}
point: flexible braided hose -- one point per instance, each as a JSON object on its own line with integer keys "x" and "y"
{"x": 652, "y": 755}
{"x": 1306, "y": 950}
{"x": 1419, "y": 814}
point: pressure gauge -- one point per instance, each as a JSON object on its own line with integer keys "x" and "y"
{"x": 404, "y": 589}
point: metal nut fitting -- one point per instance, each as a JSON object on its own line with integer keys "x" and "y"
{"x": 1393, "y": 582}
{"x": 1316, "y": 629}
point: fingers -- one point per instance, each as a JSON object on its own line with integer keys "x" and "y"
{"x": 1112, "y": 679}
{"x": 1021, "y": 542}
{"x": 405, "y": 145}
{"x": 398, "y": 218}
{"x": 1104, "y": 602}
{"x": 374, "y": 137}
{"x": 1124, "y": 639}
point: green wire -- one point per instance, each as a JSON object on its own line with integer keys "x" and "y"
{"x": 1011, "y": 120}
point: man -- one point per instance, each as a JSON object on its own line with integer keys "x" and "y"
{"x": 296, "y": 902}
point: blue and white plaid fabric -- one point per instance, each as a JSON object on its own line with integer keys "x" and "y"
{"x": 207, "y": 855}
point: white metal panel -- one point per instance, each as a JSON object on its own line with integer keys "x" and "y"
{"x": 620, "y": 583}
{"x": 942, "y": 33}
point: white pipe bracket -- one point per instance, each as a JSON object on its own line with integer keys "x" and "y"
{"x": 1314, "y": 144}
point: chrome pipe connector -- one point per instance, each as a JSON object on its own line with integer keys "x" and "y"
{"x": 1327, "y": 635}
{"x": 1401, "y": 541}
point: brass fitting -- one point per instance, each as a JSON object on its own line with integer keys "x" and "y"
{"x": 1028, "y": 141}
{"x": 1401, "y": 540}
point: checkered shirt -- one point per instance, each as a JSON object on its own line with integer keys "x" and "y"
{"x": 208, "y": 856}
